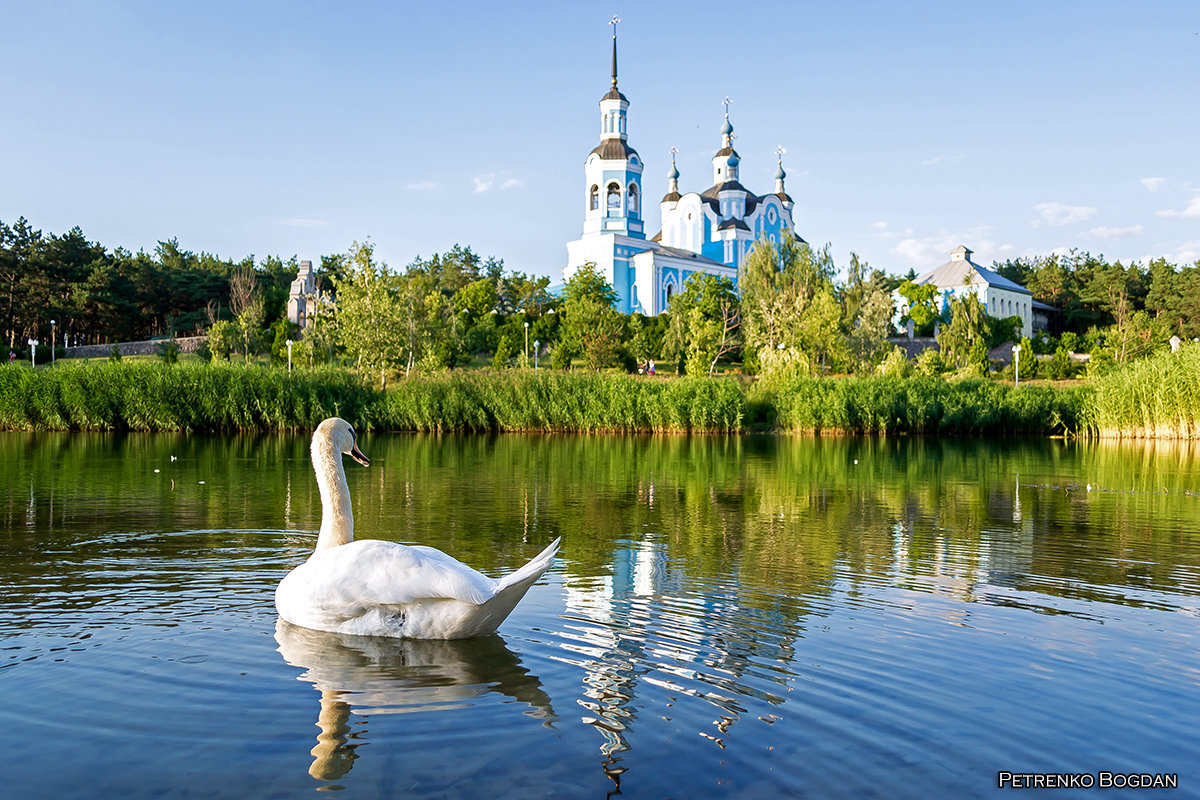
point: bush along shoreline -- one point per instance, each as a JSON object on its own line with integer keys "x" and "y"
{"x": 101, "y": 396}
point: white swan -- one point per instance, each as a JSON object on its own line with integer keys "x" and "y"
{"x": 376, "y": 588}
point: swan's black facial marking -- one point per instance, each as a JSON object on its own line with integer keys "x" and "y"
{"x": 355, "y": 453}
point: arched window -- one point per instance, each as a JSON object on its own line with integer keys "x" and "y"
{"x": 614, "y": 197}
{"x": 594, "y": 198}
{"x": 633, "y": 198}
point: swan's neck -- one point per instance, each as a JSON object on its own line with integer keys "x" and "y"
{"x": 337, "y": 520}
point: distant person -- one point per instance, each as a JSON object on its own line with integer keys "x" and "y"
{"x": 650, "y": 367}
{"x": 12, "y": 355}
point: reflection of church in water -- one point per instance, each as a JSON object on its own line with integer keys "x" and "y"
{"x": 709, "y": 231}
{"x": 648, "y": 622}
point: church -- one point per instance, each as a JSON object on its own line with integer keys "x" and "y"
{"x": 710, "y": 231}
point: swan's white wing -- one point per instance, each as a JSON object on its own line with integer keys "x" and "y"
{"x": 369, "y": 572}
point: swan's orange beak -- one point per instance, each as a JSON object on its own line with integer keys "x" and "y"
{"x": 358, "y": 456}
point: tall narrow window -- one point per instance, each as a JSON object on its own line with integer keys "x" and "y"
{"x": 633, "y": 198}
{"x": 594, "y": 198}
{"x": 614, "y": 197}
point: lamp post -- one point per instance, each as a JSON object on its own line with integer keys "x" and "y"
{"x": 51, "y": 342}
{"x": 289, "y": 344}
{"x": 526, "y": 344}
{"x": 1017, "y": 364}
{"x": 536, "y": 345}
{"x": 33, "y": 343}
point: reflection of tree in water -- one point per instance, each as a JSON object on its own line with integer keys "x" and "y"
{"x": 368, "y": 675}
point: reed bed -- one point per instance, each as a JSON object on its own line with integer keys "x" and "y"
{"x": 156, "y": 397}
{"x": 923, "y": 405}
{"x": 198, "y": 397}
{"x": 552, "y": 401}
{"x": 1154, "y": 398}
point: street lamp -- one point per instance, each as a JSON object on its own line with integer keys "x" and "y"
{"x": 1017, "y": 364}
{"x": 51, "y": 342}
{"x": 33, "y": 343}
{"x": 289, "y": 344}
{"x": 536, "y": 345}
{"x": 527, "y": 344}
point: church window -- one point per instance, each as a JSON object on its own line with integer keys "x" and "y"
{"x": 594, "y": 200}
{"x": 771, "y": 215}
{"x": 614, "y": 197}
{"x": 633, "y": 198}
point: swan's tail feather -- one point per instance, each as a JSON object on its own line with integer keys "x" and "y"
{"x": 531, "y": 571}
{"x": 509, "y": 591}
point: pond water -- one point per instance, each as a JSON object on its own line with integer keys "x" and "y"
{"x": 728, "y": 617}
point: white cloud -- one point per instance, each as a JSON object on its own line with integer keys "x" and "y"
{"x": 1058, "y": 214}
{"x": 929, "y": 162}
{"x": 487, "y": 181}
{"x": 1191, "y": 212}
{"x": 305, "y": 223}
{"x": 1153, "y": 184}
{"x": 1105, "y": 232}
{"x": 421, "y": 186}
{"x": 1185, "y": 253}
{"x": 882, "y": 232}
{"x": 932, "y": 251}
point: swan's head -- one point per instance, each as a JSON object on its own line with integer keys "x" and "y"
{"x": 340, "y": 435}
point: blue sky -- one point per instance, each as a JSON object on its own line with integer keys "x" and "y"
{"x": 275, "y": 128}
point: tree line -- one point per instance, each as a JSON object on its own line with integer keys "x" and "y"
{"x": 96, "y": 296}
{"x": 789, "y": 312}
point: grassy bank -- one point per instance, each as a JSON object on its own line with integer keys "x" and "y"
{"x": 150, "y": 396}
{"x": 1155, "y": 398}
{"x": 922, "y": 405}
{"x": 154, "y": 396}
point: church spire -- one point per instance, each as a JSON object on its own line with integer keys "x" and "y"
{"x": 672, "y": 195}
{"x": 779, "y": 176}
{"x": 725, "y": 162}
{"x": 614, "y": 22}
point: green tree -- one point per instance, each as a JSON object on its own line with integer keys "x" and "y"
{"x": 790, "y": 316}
{"x": 591, "y": 326}
{"x": 373, "y": 325}
{"x": 964, "y": 340}
{"x": 923, "y": 306}
{"x": 703, "y": 323}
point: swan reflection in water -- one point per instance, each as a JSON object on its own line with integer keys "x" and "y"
{"x": 378, "y": 675}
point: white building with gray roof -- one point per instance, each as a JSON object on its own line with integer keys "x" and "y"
{"x": 961, "y": 276}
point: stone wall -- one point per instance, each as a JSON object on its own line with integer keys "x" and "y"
{"x": 187, "y": 344}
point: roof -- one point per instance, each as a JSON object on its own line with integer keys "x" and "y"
{"x": 962, "y": 272}
{"x": 733, "y": 223}
{"x": 614, "y": 150}
{"x": 614, "y": 94}
{"x": 784, "y": 196}
{"x": 672, "y": 197}
{"x": 725, "y": 151}
{"x": 676, "y": 252}
{"x": 711, "y": 192}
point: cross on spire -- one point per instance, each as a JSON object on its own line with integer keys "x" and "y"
{"x": 726, "y": 102}
{"x": 674, "y": 150}
{"x": 779, "y": 151}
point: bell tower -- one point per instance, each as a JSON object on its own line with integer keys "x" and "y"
{"x": 613, "y": 200}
